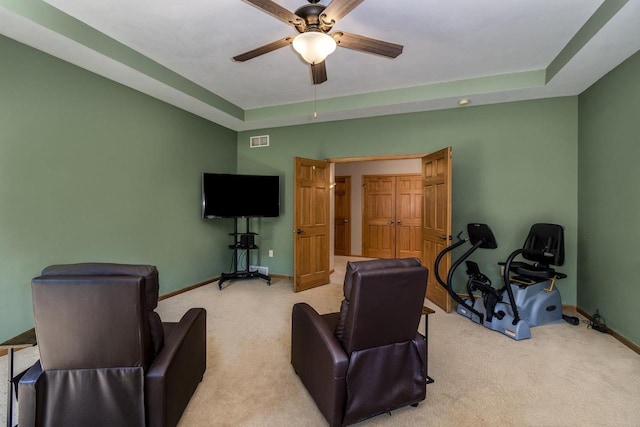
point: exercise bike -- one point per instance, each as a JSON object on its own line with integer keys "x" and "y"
{"x": 527, "y": 299}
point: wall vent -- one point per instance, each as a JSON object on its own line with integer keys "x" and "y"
{"x": 259, "y": 141}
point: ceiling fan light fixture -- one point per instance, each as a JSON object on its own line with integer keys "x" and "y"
{"x": 314, "y": 46}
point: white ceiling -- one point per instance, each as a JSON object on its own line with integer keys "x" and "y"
{"x": 489, "y": 51}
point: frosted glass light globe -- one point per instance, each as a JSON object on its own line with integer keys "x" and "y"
{"x": 314, "y": 46}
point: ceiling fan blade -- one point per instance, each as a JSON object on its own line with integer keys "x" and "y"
{"x": 366, "y": 44}
{"x": 337, "y": 9}
{"x": 277, "y": 11}
{"x": 263, "y": 49}
{"x": 319, "y": 73}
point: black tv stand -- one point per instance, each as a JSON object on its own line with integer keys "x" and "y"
{"x": 242, "y": 242}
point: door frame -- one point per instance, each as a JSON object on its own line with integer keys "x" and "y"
{"x": 407, "y": 156}
{"x": 389, "y": 157}
{"x": 374, "y": 158}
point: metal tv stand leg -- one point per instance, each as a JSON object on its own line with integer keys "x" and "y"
{"x": 239, "y": 246}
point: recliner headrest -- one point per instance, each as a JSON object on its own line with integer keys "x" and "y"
{"x": 149, "y": 272}
{"x": 100, "y": 269}
{"x": 385, "y": 307}
{"x": 374, "y": 264}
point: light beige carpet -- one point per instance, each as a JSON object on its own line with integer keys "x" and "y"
{"x": 563, "y": 376}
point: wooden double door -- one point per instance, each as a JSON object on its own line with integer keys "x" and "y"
{"x": 392, "y": 216}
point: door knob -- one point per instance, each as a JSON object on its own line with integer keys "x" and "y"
{"x": 444, "y": 237}
{"x": 346, "y": 221}
{"x": 299, "y": 231}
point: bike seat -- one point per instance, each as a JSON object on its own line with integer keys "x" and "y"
{"x": 530, "y": 270}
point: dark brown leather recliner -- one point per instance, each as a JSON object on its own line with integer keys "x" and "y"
{"x": 369, "y": 358}
{"x": 106, "y": 359}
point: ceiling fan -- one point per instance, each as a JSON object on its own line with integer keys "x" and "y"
{"x": 313, "y": 22}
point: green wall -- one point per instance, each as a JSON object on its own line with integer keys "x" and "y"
{"x": 91, "y": 170}
{"x": 514, "y": 164}
{"x": 609, "y": 200}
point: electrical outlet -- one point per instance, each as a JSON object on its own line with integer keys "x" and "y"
{"x": 270, "y": 253}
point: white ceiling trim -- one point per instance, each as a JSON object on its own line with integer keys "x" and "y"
{"x": 618, "y": 40}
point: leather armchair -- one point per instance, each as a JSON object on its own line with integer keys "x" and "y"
{"x": 106, "y": 359}
{"x": 369, "y": 358}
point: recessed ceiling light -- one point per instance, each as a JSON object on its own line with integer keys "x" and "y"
{"x": 463, "y": 101}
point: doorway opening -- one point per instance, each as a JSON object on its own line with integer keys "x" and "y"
{"x": 383, "y": 206}
{"x": 314, "y": 209}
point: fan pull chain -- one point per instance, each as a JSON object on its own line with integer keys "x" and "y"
{"x": 315, "y": 101}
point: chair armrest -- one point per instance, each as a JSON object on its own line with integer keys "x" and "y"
{"x": 177, "y": 370}
{"x": 28, "y": 393}
{"x": 421, "y": 345}
{"x": 319, "y": 359}
{"x": 311, "y": 336}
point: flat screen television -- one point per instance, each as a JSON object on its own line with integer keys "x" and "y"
{"x": 235, "y": 196}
